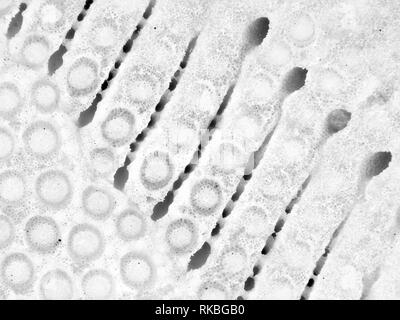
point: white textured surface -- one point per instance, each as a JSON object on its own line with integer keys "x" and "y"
{"x": 316, "y": 100}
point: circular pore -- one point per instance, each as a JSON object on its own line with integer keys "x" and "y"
{"x": 130, "y": 225}
{"x": 97, "y": 284}
{"x": 136, "y": 270}
{"x": 45, "y": 96}
{"x": 301, "y": 32}
{"x": 85, "y": 243}
{"x": 142, "y": 89}
{"x": 255, "y": 221}
{"x": 10, "y": 99}
{"x": 56, "y": 285}
{"x": 233, "y": 260}
{"x": 105, "y": 35}
{"x": 181, "y": 235}
{"x": 12, "y": 186}
{"x": 42, "y": 234}
{"x": 52, "y": 14}
{"x": 17, "y": 272}
{"x": 6, "y": 143}
{"x": 102, "y": 161}
{"x": 118, "y": 127}
{"x": 97, "y": 203}
{"x": 54, "y": 188}
{"x": 35, "y": 50}
{"x": 205, "y": 196}
{"x": 82, "y": 77}
{"x": 156, "y": 170}
{"x": 41, "y": 139}
{"x": 141, "y": 86}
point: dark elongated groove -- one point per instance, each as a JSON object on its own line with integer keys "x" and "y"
{"x": 165, "y": 98}
{"x": 321, "y": 262}
{"x": 87, "y": 115}
{"x": 336, "y": 122}
{"x": 123, "y": 171}
{"x": 161, "y": 208}
{"x": 256, "y": 158}
{"x": 279, "y": 225}
{"x": 16, "y": 22}
{"x": 281, "y": 221}
{"x": 250, "y": 282}
{"x": 376, "y": 164}
{"x": 293, "y": 81}
{"x": 298, "y": 196}
{"x": 253, "y": 163}
{"x": 217, "y": 118}
{"x": 56, "y": 59}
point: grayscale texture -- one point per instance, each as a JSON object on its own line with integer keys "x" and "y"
{"x": 199, "y": 149}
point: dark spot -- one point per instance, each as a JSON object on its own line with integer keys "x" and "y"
{"x": 172, "y": 84}
{"x": 200, "y": 257}
{"x": 56, "y": 60}
{"x": 337, "y": 120}
{"x": 377, "y": 163}
{"x": 249, "y": 284}
{"x": 216, "y": 230}
{"x": 88, "y": 3}
{"x": 122, "y": 175}
{"x": 87, "y": 116}
{"x": 294, "y": 80}
{"x": 127, "y": 46}
{"x": 257, "y": 31}
{"x": 256, "y": 270}
{"x": 70, "y": 34}
{"x": 279, "y": 225}
{"x": 16, "y": 22}
{"x": 161, "y": 208}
